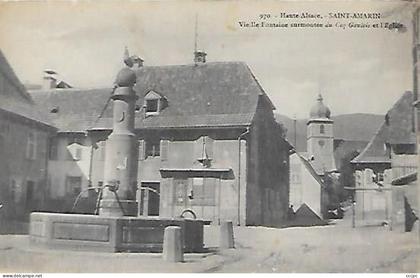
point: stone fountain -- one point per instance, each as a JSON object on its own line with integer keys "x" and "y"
{"x": 116, "y": 228}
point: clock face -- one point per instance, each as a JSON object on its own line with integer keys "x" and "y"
{"x": 321, "y": 143}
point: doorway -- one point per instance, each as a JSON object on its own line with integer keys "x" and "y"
{"x": 150, "y": 198}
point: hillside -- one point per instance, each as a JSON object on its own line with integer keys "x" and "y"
{"x": 354, "y": 127}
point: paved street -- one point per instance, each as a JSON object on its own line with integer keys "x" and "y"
{"x": 322, "y": 249}
{"x": 335, "y": 248}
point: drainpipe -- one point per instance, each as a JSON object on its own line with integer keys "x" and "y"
{"x": 239, "y": 174}
{"x": 92, "y": 142}
{"x": 47, "y": 186}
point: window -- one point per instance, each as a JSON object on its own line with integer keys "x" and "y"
{"x": 203, "y": 192}
{"x": 73, "y": 185}
{"x": 53, "y": 150}
{"x": 322, "y": 129}
{"x": 152, "y": 105}
{"x": 31, "y": 146}
{"x": 152, "y": 148}
{"x": 141, "y": 149}
{"x": 164, "y": 149}
{"x": 180, "y": 190}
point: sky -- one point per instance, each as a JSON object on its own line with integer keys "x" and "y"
{"x": 356, "y": 70}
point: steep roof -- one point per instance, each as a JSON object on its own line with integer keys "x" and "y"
{"x": 13, "y": 96}
{"x": 210, "y": 94}
{"x": 405, "y": 179}
{"x": 9, "y": 76}
{"x": 343, "y": 148}
{"x": 305, "y": 216}
{"x": 396, "y": 129}
{"x": 77, "y": 110}
{"x": 310, "y": 169}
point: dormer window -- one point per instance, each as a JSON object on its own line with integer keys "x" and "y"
{"x": 153, "y": 103}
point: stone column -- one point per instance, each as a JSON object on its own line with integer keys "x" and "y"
{"x": 120, "y": 170}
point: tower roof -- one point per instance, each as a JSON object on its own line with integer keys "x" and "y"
{"x": 320, "y": 110}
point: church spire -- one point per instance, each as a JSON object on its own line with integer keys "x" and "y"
{"x": 320, "y": 110}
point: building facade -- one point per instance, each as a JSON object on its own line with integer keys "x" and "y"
{"x": 308, "y": 170}
{"x": 394, "y": 142}
{"x": 24, "y": 143}
{"x": 391, "y": 159}
{"x": 208, "y": 144}
{"x": 305, "y": 185}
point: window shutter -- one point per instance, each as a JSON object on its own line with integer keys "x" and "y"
{"x": 141, "y": 149}
{"x": 209, "y": 147}
{"x": 164, "y": 147}
{"x": 198, "y": 148}
{"x": 53, "y": 149}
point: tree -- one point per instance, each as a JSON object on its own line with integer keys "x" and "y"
{"x": 346, "y": 175}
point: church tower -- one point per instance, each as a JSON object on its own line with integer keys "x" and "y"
{"x": 320, "y": 138}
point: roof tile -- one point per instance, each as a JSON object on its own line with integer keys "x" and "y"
{"x": 210, "y": 94}
{"x": 396, "y": 129}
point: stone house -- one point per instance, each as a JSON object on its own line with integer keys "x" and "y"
{"x": 207, "y": 142}
{"x": 24, "y": 143}
{"x": 390, "y": 161}
{"x": 306, "y": 186}
{"x": 394, "y": 144}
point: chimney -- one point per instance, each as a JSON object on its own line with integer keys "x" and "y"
{"x": 199, "y": 57}
{"x": 49, "y": 80}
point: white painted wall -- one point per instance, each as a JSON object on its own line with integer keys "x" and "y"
{"x": 308, "y": 190}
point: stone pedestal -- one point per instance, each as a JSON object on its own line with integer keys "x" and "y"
{"x": 398, "y": 210}
{"x": 226, "y": 240}
{"x": 172, "y": 245}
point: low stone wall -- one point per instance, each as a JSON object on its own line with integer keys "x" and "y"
{"x": 110, "y": 234}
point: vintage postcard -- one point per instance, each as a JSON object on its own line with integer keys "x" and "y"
{"x": 209, "y": 137}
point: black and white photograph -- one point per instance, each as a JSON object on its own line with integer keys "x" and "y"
{"x": 209, "y": 137}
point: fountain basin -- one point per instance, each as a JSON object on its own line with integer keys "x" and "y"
{"x": 110, "y": 234}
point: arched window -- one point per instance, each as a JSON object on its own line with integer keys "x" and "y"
{"x": 322, "y": 129}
